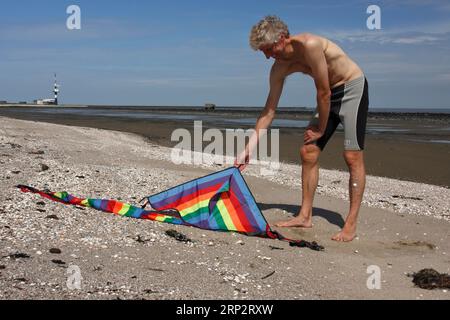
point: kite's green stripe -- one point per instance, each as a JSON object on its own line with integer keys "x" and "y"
{"x": 124, "y": 210}
{"x": 225, "y": 215}
{"x": 218, "y": 217}
{"x": 195, "y": 213}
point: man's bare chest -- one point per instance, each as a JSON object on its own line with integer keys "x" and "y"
{"x": 298, "y": 67}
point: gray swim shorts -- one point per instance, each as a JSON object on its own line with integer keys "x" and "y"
{"x": 349, "y": 106}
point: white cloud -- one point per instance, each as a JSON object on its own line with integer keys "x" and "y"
{"x": 90, "y": 29}
{"x": 415, "y": 39}
{"x": 389, "y": 36}
{"x": 434, "y": 32}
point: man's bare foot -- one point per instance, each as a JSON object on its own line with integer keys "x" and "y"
{"x": 346, "y": 235}
{"x": 298, "y": 221}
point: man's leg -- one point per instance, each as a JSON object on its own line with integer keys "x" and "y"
{"x": 357, "y": 183}
{"x": 310, "y": 177}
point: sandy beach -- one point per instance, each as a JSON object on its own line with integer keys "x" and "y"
{"x": 403, "y": 228}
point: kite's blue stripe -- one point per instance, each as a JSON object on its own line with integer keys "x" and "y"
{"x": 185, "y": 190}
{"x": 244, "y": 196}
{"x": 159, "y": 200}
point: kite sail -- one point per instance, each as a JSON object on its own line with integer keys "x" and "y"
{"x": 220, "y": 201}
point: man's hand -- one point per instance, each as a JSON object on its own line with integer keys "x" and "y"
{"x": 242, "y": 160}
{"x": 312, "y": 134}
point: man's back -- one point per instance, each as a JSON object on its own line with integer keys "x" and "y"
{"x": 341, "y": 68}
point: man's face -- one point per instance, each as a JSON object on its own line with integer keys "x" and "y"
{"x": 273, "y": 50}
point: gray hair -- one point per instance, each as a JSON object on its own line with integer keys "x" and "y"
{"x": 267, "y": 31}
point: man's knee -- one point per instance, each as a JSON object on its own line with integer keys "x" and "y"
{"x": 354, "y": 158}
{"x": 309, "y": 154}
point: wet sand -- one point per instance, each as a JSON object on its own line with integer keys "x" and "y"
{"x": 386, "y": 154}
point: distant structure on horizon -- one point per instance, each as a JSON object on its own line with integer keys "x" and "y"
{"x": 50, "y": 101}
{"x": 210, "y": 106}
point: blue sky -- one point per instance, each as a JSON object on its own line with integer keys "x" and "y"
{"x": 192, "y": 52}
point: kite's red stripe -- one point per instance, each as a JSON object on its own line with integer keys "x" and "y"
{"x": 189, "y": 197}
{"x": 195, "y": 201}
{"x": 234, "y": 214}
{"x": 241, "y": 214}
{"x": 154, "y": 216}
{"x": 117, "y": 207}
{"x": 46, "y": 195}
{"x": 76, "y": 201}
{"x": 110, "y": 205}
{"x": 50, "y": 196}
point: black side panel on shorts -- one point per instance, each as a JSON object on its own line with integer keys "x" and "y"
{"x": 333, "y": 122}
{"x": 333, "y": 119}
{"x": 362, "y": 116}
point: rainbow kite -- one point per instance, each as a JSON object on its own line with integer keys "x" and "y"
{"x": 220, "y": 201}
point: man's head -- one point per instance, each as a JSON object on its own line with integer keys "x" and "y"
{"x": 269, "y": 35}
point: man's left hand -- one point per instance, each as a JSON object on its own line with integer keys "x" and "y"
{"x": 312, "y": 134}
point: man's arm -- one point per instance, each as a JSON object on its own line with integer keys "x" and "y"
{"x": 265, "y": 119}
{"x": 315, "y": 58}
{"x": 276, "y": 88}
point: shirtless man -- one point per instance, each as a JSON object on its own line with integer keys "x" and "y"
{"x": 342, "y": 97}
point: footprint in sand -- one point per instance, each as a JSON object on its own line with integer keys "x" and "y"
{"x": 415, "y": 244}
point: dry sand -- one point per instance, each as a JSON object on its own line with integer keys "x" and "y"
{"x": 404, "y": 227}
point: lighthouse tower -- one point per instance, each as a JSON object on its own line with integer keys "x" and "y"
{"x": 56, "y": 91}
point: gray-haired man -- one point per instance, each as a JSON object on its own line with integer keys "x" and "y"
{"x": 342, "y": 97}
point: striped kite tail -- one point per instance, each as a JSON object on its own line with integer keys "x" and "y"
{"x": 109, "y": 206}
{"x": 48, "y": 195}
